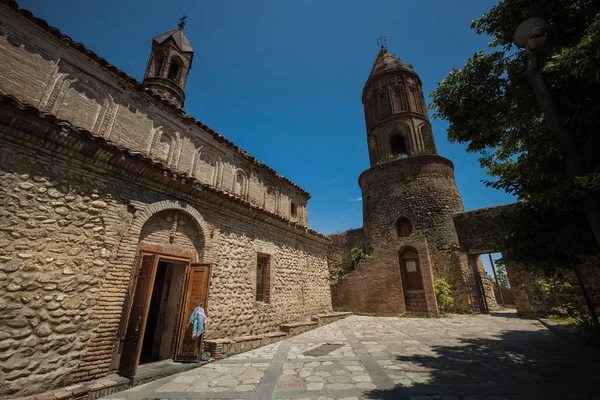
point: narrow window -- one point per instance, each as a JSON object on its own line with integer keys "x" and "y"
{"x": 262, "y": 278}
{"x": 158, "y": 63}
{"x": 403, "y": 227}
{"x": 293, "y": 210}
{"x": 174, "y": 69}
{"x": 238, "y": 186}
{"x": 398, "y": 146}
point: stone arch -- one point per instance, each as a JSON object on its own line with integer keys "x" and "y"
{"x": 240, "y": 183}
{"x": 164, "y": 147}
{"x": 403, "y": 227}
{"x": 417, "y": 100}
{"x": 399, "y": 97}
{"x": 81, "y": 103}
{"x": 206, "y": 167}
{"x": 383, "y": 104}
{"x": 175, "y": 71}
{"x": 271, "y": 198}
{"x": 427, "y": 139}
{"x": 401, "y": 129}
{"x": 158, "y": 61}
{"x": 143, "y": 216}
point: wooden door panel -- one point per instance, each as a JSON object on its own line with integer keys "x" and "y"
{"x": 412, "y": 273}
{"x": 138, "y": 314}
{"x": 195, "y": 294}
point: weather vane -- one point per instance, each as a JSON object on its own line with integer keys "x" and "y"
{"x": 181, "y": 22}
{"x": 381, "y": 41}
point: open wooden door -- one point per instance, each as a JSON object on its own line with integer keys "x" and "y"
{"x": 136, "y": 326}
{"x": 195, "y": 294}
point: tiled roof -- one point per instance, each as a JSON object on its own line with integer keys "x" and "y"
{"x": 10, "y": 102}
{"x": 164, "y": 103}
{"x": 179, "y": 37}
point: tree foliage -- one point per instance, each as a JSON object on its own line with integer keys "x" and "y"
{"x": 491, "y": 107}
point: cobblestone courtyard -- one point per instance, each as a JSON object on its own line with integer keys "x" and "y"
{"x": 489, "y": 357}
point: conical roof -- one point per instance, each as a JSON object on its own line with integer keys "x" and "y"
{"x": 179, "y": 37}
{"x": 385, "y": 62}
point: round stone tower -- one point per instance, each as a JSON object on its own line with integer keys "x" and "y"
{"x": 409, "y": 189}
{"x": 169, "y": 65}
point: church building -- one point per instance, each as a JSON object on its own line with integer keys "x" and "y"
{"x": 120, "y": 214}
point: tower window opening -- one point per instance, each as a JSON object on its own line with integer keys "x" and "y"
{"x": 398, "y": 146}
{"x": 158, "y": 64}
{"x": 174, "y": 69}
{"x": 403, "y": 227}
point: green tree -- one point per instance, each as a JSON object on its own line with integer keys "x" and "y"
{"x": 491, "y": 107}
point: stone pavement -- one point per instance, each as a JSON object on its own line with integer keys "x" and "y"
{"x": 483, "y": 357}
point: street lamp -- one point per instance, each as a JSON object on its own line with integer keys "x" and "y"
{"x": 531, "y": 35}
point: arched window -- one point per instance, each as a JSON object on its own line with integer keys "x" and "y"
{"x": 383, "y": 105}
{"x": 271, "y": 200}
{"x": 158, "y": 63}
{"x": 403, "y": 227}
{"x": 163, "y": 147}
{"x": 399, "y": 99}
{"x": 293, "y": 210}
{"x": 239, "y": 184}
{"x": 174, "y": 69}
{"x": 398, "y": 146}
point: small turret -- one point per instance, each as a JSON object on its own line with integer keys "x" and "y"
{"x": 169, "y": 65}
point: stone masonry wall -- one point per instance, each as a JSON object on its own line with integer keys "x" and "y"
{"x": 422, "y": 189}
{"x": 530, "y": 301}
{"x": 69, "y": 229}
{"x": 338, "y": 253}
{"x": 49, "y": 73}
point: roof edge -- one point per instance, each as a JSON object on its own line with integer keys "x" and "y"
{"x": 186, "y": 118}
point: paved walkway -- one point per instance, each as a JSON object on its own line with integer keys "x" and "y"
{"x": 485, "y": 357}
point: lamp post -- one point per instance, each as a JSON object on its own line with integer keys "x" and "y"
{"x": 531, "y": 35}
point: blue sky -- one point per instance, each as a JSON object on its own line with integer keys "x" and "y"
{"x": 283, "y": 79}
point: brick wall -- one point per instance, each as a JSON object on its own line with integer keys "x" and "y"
{"x": 43, "y": 71}
{"x": 375, "y": 287}
{"x": 72, "y": 213}
{"x": 338, "y": 254}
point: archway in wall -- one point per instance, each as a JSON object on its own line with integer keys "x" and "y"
{"x": 168, "y": 284}
{"x": 412, "y": 280}
{"x": 403, "y": 227}
{"x": 398, "y": 146}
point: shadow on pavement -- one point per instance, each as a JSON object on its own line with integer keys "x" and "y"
{"x": 510, "y": 365}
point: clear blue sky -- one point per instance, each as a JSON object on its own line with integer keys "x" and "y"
{"x": 283, "y": 79}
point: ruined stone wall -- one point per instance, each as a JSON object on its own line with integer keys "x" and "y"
{"x": 45, "y": 71}
{"x": 477, "y": 230}
{"x": 530, "y": 301}
{"x": 422, "y": 189}
{"x": 70, "y": 224}
{"x": 338, "y": 253}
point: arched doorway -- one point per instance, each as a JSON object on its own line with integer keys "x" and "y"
{"x": 168, "y": 285}
{"x": 412, "y": 280}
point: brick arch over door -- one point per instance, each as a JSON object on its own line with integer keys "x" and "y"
{"x": 203, "y": 228}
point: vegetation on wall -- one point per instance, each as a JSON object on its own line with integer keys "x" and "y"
{"x": 443, "y": 294}
{"x": 357, "y": 257}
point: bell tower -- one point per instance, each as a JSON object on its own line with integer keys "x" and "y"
{"x": 395, "y": 111}
{"x": 169, "y": 65}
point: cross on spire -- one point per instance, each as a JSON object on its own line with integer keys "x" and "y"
{"x": 381, "y": 41}
{"x": 181, "y": 23}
